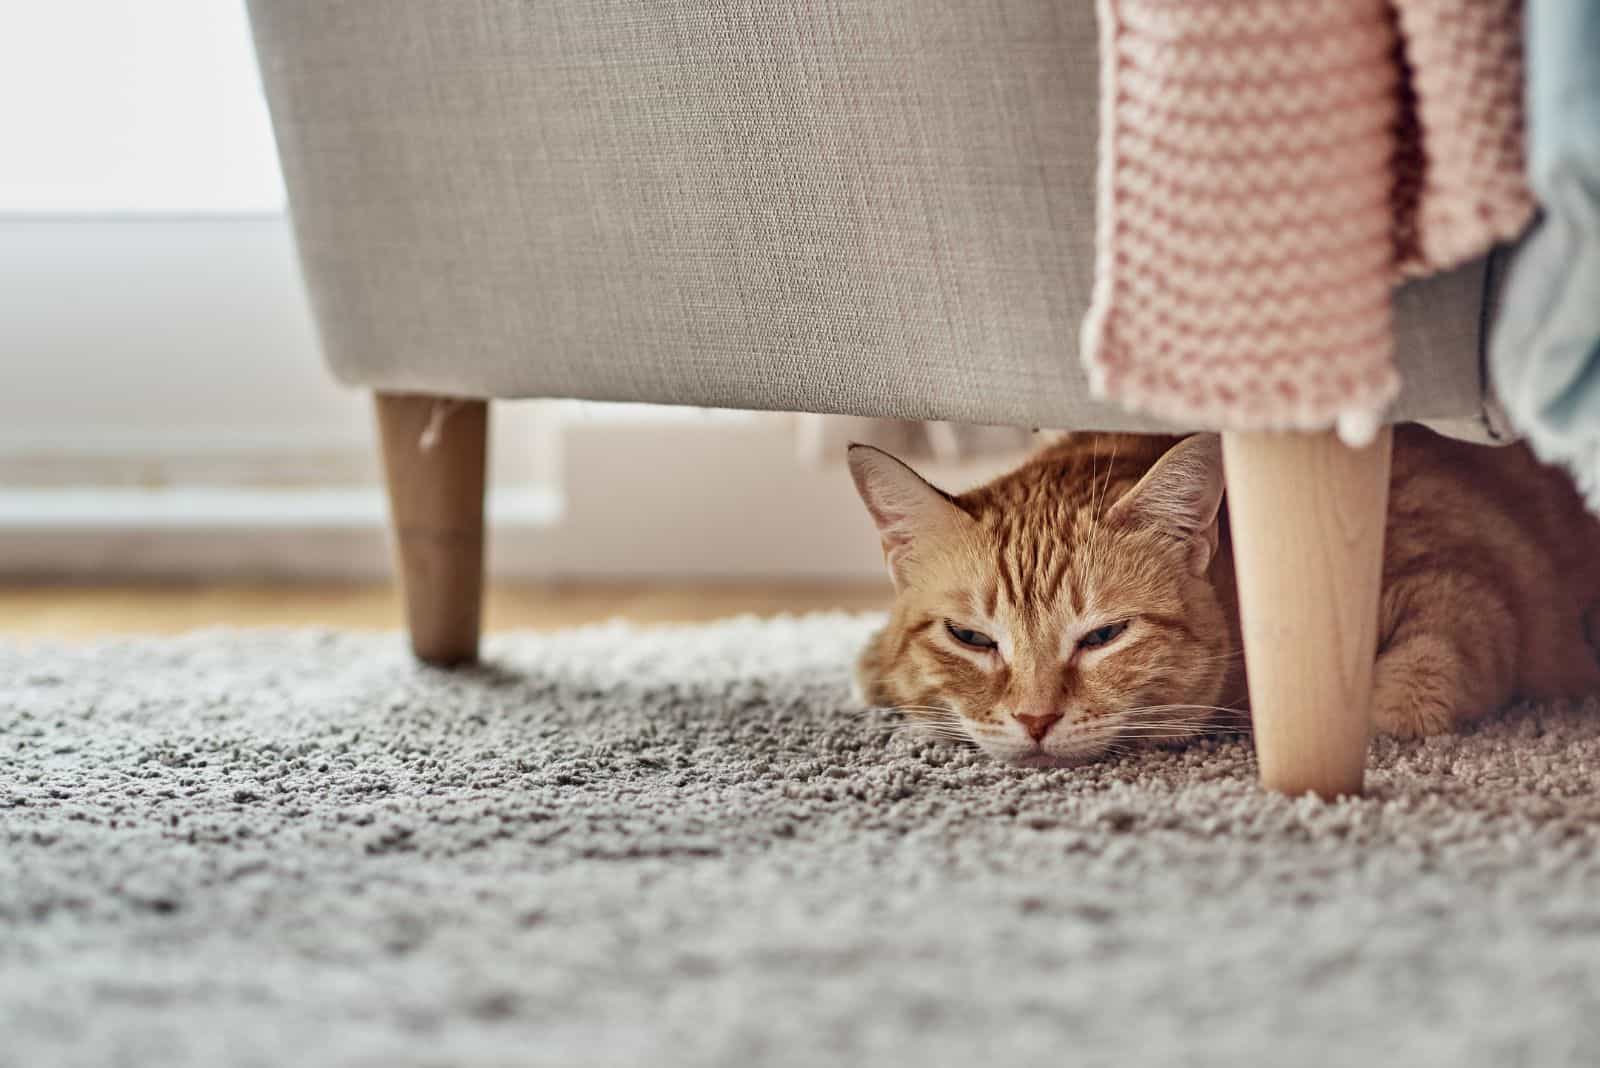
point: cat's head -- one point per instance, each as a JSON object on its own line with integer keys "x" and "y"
{"x": 1061, "y": 611}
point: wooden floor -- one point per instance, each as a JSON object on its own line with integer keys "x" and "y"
{"x": 92, "y": 611}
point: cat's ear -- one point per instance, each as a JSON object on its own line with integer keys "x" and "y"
{"x": 1180, "y": 495}
{"x": 907, "y": 509}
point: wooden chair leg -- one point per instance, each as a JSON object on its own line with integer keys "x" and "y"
{"x": 1307, "y": 519}
{"x": 434, "y": 454}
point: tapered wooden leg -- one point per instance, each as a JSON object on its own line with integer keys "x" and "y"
{"x": 434, "y": 453}
{"x": 1307, "y": 517}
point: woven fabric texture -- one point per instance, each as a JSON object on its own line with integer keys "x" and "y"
{"x": 1268, "y": 172}
{"x": 880, "y": 208}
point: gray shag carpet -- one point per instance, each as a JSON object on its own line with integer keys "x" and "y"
{"x": 684, "y": 846}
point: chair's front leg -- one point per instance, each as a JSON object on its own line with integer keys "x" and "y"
{"x": 434, "y": 454}
{"x": 1307, "y": 518}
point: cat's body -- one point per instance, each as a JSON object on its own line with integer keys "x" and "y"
{"x": 1086, "y": 600}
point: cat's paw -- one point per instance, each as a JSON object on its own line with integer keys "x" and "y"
{"x": 1415, "y": 690}
{"x": 1406, "y": 717}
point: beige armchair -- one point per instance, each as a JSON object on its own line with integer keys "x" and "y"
{"x": 881, "y": 208}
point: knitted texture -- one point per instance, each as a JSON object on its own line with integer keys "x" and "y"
{"x": 1463, "y": 150}
{"x": 1268, "y": 171}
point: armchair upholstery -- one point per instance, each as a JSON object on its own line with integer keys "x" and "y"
{"x": 881, "y": 209}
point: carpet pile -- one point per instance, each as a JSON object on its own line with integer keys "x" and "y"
{"x": 684, "y": 847}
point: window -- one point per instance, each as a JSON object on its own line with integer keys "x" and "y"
{"x": 133, "y": 106}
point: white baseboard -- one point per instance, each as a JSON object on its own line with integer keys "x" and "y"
{"x": 663, "y": 499}
{"x": 90, "y": 508}
{"x": 98, "y": 534}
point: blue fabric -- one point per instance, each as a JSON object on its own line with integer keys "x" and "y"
{"x": 1545, "y": 348}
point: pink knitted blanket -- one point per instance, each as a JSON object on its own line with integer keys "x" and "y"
{"x": 1269, "y": 170}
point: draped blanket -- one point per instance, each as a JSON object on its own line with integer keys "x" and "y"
{"x": 1269, "y": 171}
{"x": 1545, "y": 351}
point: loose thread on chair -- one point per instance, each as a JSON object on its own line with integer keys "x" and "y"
{"x": 441, "y": 411}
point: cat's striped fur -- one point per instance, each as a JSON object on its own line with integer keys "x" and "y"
{"x": 1490, "y": 571}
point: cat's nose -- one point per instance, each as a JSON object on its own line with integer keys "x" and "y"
{"x": 1037, "y": 726}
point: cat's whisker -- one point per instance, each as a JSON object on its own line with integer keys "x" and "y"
{"x": 1099, "y": 498}
{"x": 1165, "y": 716}
{"x": 929, "y": 730}
{"x": 1168, "y": 732}
{"x": 1215, "y": 658}
{"x": 1174, "y": 724}
{"x": 930, "y": 725}
{"x": 933, "y": 729}
{"x": 1167, "y": 719}
{"x": 1181, "y": 708}
{"x": 930, "y": 721}
{"x": 950, "y": 726}
{"x": 1179, "y": 728}
{"x": 925, "y": 739}
{"x": 1174, "y": 731}
{"x": 1100, "y": 504}
{"x": 913, "y": 734}
{"x": 1180, "y": 720}
{"x": 936, "y": 710}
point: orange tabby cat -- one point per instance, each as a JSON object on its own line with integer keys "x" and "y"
{"x": 1086, "y": 600}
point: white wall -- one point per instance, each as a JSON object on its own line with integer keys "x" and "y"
{"x": 164, "y": 411}
{"x": 133, "y": 106}
{"x": 159, "y": 351}
{"x": 121, "y": 337}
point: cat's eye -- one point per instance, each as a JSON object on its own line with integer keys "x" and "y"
{"x": 1102, "y": 635}
{"x": 973, "y": 639}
